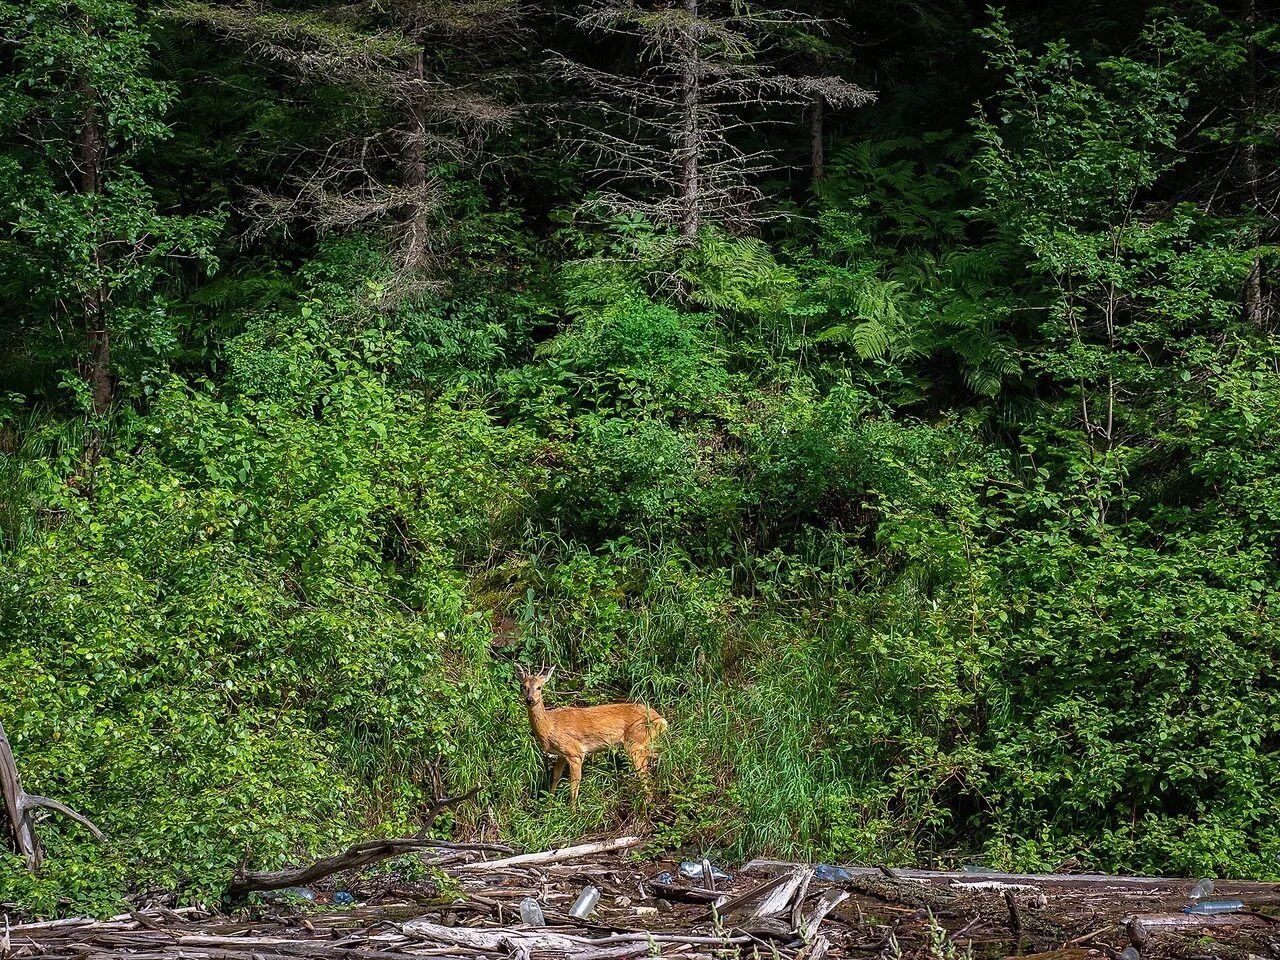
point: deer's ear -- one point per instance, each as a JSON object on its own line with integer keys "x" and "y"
{"x": 546, "y": 674}
{"x": 521, "y": 672}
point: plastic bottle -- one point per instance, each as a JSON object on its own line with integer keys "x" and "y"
{"x": 1203, "y": 888}
{"x": 1130, "y": 953}
{"x": 1214, "y": 906}
{"x": 663, "y": 877}
{"x": 585, "y": 903}
{"x": 531, "y": 913}
{"x": 829, "y": 874}
{"x": 342, "y": 898}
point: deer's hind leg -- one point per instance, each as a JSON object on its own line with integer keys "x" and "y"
{"x": 557, "y": 772}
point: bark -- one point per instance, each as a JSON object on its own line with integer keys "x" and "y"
{"x": 413, "y": 170}
{"x": 552, "y": 856}
{"x": 817, "y": 152}
{"x": 93, "y": 299}
{"x": 20, "y": 808}
{"x": 690, "y": 134}
{"x": 1253, "y": 301}
{"x": 355, "y": 856}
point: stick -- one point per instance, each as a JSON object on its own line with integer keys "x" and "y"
{"x": 553, "y": 856}
{"x": 1015, "y": 915}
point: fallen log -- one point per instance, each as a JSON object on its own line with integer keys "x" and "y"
{"x": 357, "y": 855}
{"x": 504, "y": 938}
{"x": 552, "y": 856}
{"x": 20, "y": 809}
{"x": 772, "y": 867}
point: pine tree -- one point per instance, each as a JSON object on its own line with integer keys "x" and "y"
{"x": 677, "y": 141}
{"x": 421, "y": 97}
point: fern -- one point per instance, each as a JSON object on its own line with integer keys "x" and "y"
{"x": 879, "y": 326}
{"x": 870, "y": 339}
{"x": 736, "y": 275}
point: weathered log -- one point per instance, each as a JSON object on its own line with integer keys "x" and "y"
{"x": 20, "y": 808}
{"x": 808, "y": 927}
{"x": 774, "y": 867}
{"x": 727, "y": 905}
{"x": 552, "y": 856}
{"x": 539, "y": 938}
{"x": 777, "y": 900}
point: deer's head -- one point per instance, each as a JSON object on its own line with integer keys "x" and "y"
{"x": 531, "y": 683}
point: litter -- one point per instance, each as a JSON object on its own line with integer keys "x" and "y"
{"x": 1214, "y": 906}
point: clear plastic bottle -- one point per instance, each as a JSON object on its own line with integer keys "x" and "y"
{"x": 1130, "y": 953}
{"x": 1214, "y": 906}
{"x": 531, "y": 913}
{"x": 1203, "y": 888}
{"x": 585, "y": 903}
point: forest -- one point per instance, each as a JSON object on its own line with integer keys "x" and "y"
{"x": 886, "y": 393}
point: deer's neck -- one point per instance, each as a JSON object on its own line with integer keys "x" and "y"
{"x": 540, "y": 723}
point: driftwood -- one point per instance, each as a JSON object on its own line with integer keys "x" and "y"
{"x": 20, "y": 809}
{"x": 821, "y": 921}
{"x": 727, "y": 905}
{"x": 552, "y": 856}
{"x": 777, "y": 900}
{"x": 773, "y": 867}
{"x": 355, "y": 856}
{"x": 808, "y": 926}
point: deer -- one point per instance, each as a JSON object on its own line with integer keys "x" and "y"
{"x": 571, "y": 734}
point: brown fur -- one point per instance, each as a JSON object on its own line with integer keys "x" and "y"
{"x": 571, "y": 734}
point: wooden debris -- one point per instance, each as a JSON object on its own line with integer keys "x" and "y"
{"x": 789, "y": 916}
{"x": 20, "y": 809}
{"x": 781, "y": 866}
{"x": 553, "y": 856}
{"x": 777, "y": 900}
{"x": 808, "y": 927}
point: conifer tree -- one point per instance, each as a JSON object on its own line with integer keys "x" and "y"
{"x": 420, "y": 95}
{"x": 679, "y": 138}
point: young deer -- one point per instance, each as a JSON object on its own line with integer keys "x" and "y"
{"x": 570, "y": 734}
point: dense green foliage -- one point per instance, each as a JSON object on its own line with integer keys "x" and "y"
{"x": 940, "y": 516}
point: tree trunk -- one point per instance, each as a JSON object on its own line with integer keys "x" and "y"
{"x": 690, "y": 134}
{"x": 93, "y": 299}
{"x": 1254, "y": 307}
{"x": 817, "y": 153}
{"x": 413, "y": 170}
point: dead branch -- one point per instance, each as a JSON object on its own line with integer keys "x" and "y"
{"x": 21, "y": 806}
{"x": 357, "y": 855}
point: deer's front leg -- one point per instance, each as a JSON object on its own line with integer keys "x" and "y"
{"x": 575, "y": 778}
